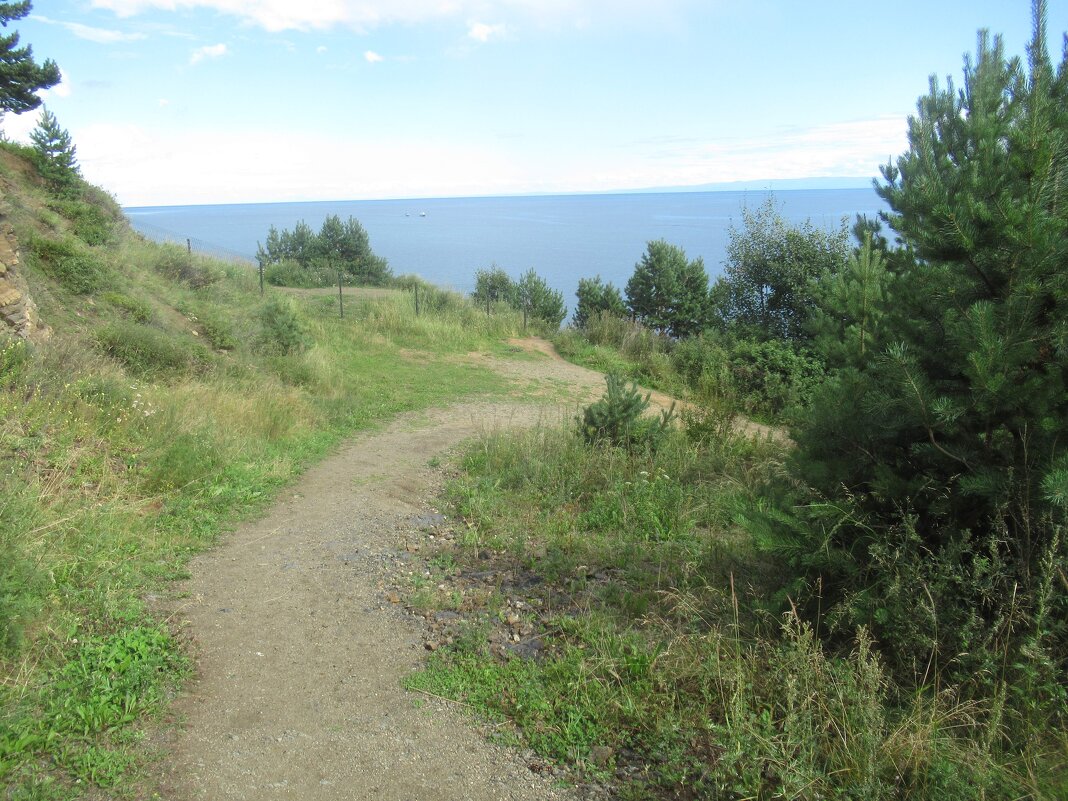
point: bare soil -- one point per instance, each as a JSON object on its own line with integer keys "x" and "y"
{"x": 300, "y": 642}
{"x": 300, "y": 655}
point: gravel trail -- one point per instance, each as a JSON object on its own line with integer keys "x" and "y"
{"x": 299, "y": 656}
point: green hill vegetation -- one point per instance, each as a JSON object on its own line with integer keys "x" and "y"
{"x": 157, "y": 399}
{"x": 868, "y": 600}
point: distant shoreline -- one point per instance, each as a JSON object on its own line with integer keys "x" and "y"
{"x": 773, "y": 185}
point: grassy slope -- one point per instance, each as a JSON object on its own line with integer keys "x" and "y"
{"x": 164, "y": 408}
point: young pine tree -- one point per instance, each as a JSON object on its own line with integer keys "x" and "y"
{"x": 54, "y": 152}
{"x": 941, "y": 437}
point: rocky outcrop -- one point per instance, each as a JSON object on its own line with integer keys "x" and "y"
{"x": 18, "y": 312}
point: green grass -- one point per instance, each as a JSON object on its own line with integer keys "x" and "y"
{"x": 666, "y": 666}
{"x": 168, "y": 404}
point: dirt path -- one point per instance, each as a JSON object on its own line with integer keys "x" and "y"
{"x": 300, "y": 658}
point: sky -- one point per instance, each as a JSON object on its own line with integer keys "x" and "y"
{"x": 234, "y": 101}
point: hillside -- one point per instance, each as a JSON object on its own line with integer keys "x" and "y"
{"x": 149, "y": 398}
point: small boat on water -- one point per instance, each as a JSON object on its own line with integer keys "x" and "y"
{"x": 422, "y": 214}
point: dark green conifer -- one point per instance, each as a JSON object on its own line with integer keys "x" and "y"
{"x": 20, "y": 76}
{"x": 54, "y": 151}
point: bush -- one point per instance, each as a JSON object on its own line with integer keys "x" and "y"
{"x": 217, "y": 328}
{"x": 289, "y": 273}
{"x": 617, "y": 417}
{"x": 768, "y": 379}
{"x": 69, "y": 263}
{"x": 90, "y": 223}
{"x": 283, "y": 331}
{"x": 145, "y": 351}
{"x": 176, "y": 263}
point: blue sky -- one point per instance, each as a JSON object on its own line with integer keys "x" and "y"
{"x": 219, "y": 101}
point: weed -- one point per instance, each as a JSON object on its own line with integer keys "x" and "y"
{"x": 144, "y": 350}
{"x": 70, "y": 263}
{"x": 176, "y": 263}
{"x": 138, "y": 310}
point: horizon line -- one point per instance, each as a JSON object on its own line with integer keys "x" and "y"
{"x": 759, "y": 185}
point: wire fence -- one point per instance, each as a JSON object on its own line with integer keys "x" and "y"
{"x": 159, "y": 234}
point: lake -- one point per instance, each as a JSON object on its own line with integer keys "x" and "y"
{"x": 563, "y": 237}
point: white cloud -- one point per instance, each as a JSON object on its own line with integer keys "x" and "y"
{"x": 208, "y": 51}
{"x": 89, "y": 33}
{"x": 320, "y": 49}
{"x": 481, "y": 32}
{"x": 17, "y": 127}
{"x": 163, "y": 102}
{"x": 61, "y": 89}
{"x": 149, "y": 166}
{"x": 372, "y": 57}
{"x": 280, "y": 15}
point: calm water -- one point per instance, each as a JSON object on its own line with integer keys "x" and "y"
{"x": 563, "y": 238}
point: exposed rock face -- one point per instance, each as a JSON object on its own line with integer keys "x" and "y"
{"x": 18, "y": 312}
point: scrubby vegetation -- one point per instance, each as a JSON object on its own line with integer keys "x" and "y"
{"x": 341, "y": 251}
{"x": 871, "y": 604}
{"x": 530, "y": 295}
{"x": 169, "y": 401}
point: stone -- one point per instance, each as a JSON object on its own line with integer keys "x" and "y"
{"x": 601, "y": 755}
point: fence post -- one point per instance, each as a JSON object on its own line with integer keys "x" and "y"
{"x": 261, "y": 278}
{"x": 340, "y": 302}
{"x": 189, "y": 246}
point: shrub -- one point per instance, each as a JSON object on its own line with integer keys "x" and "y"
{"x": 289, "y": 273}
{"x": 176, "y": 263}
{"x": 217, "y": 328}
{"x": 90, "y": 223}
{"x": 69, "y": 263}
{"x": 145, "y": 351}
{"x": 282, "y": 329}
{"x": 766, "y": 379}
{"x": 617, "y": 417}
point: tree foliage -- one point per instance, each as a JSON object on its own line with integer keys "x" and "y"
{"x": 530, "y": 294}
{"x": 540, "y": 301}
{"x": 667, "y": 292}
{"x": 54, "y": 152}
{"x": 494, "y": 285}
{"x": 595, "y": 296}
{"x": 937, "y": 442}
{"x": 20, "y": 76}
{"x": 766, "y": 287}
{"x": 339, "y": 245}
